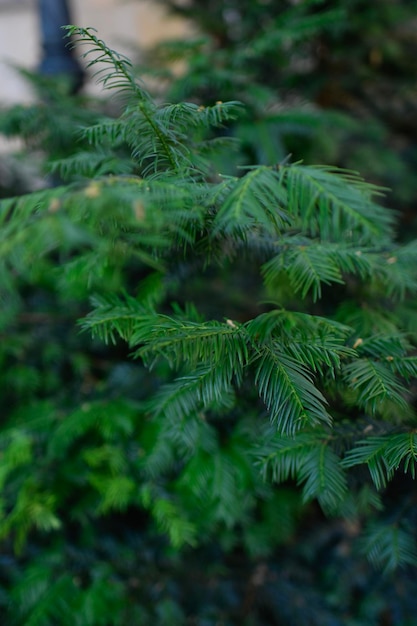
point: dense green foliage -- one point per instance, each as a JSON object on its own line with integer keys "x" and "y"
{"x": 327, "y": 81}
{"x": 202, "y": 374}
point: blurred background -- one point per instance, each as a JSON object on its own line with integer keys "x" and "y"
{"x": 123, "y": 25}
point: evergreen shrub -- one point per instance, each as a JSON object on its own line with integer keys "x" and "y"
{"x": 200, "y": 372}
